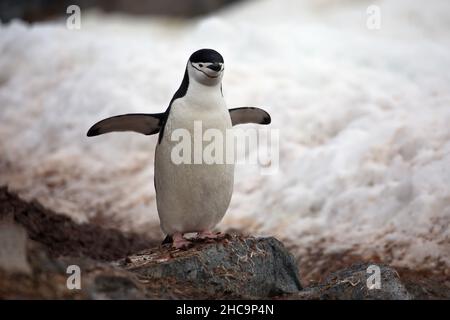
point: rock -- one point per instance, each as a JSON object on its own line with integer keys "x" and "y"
{"x": 352, "y": 284}
{"x": 425, "y": 285}
{"x": 115, "y": 287}
{"x": 235, "y": 266}
{"x": 13, "y": 240}
{"x": 47, "y": 278}
{"x": 37, "y": 246}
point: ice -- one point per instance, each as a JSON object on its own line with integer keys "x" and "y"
{"x": 363, "y": 116}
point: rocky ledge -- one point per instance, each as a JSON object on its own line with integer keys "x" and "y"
{"x": 234, "y": 266}
{"x": 45, "y": 255}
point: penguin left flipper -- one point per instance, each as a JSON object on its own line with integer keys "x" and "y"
{"x": 139, "y": 122}
{"x": 249, "y": 115}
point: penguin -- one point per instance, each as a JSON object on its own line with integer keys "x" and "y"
{"x": 190, "y": 197}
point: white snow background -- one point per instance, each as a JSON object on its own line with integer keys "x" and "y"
{"x": 364, "y": 119}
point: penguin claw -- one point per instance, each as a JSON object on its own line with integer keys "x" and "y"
{"x": 179, "y": 242}
{"x": 208, "y": 235}
{"x": 182, "y": 244}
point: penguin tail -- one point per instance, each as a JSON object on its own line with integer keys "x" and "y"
{"x": 167, "y": 239}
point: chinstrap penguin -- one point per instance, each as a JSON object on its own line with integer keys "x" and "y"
{"x": 190, "y": 198}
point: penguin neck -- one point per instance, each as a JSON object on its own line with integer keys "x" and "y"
{"x": 198, "y": 94}
{"x": 200, "y": 91}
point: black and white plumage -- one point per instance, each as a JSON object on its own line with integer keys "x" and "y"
{"x": 190, "y": 197}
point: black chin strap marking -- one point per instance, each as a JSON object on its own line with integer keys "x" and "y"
{"x": 204, "y": 72}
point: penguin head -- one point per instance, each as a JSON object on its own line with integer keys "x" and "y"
{"x": 206, "y": 67}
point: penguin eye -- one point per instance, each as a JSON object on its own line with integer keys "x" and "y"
{"x": 200, "y": 65}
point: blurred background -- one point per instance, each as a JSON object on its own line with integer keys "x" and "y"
{"x": 359, "y": 93}
{"x": 36, "y": 10}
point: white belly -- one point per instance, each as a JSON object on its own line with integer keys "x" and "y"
{"x": 192, "y": 197}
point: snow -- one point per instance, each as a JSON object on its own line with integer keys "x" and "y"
{"x": 363, "y": 116}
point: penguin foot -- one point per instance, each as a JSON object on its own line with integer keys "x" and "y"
{"x": 205, "y": 235}
{"x": 179, "y": 242}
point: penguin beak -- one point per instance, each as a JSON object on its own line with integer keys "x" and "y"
{"x": 215, "y": 67}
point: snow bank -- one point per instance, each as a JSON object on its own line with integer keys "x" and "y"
{"x": 363, "y": 116}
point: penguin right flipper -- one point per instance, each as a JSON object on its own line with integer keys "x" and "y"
{"x": 249, "y": 115}
{"x": 139, "y": 122}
